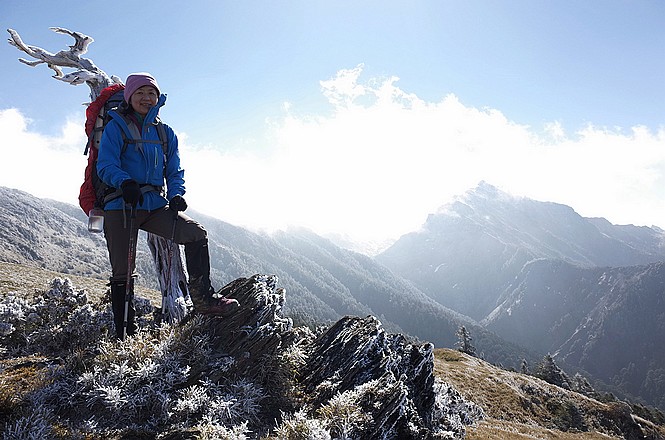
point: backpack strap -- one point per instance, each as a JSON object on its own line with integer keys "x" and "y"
{"x": 161, "y": 132}
{"x": 97, "y": 114}
{"x": 163, "y": 139}
{"x": 95, "y": 136}
{"x": 137, "y": 137}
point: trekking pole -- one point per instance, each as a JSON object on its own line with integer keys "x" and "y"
{"x": 169, "y": 263}
{"x": 131, "y": 256}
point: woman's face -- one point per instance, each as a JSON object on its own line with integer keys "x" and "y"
{"x": 143, "y": 99}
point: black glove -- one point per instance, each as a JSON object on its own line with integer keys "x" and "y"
{"x": 131, "y": 192}
{"x": 178, "y": 203}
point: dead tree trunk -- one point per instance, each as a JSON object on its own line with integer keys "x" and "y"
{"x": 166, "y": 253}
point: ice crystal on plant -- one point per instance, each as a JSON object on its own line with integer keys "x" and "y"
{"x": 295, "y": 356}
{"x": 343, "y": 415}
{"x": 6, "y": 328}
{"x": 249, "y": 398}
{"x": 233, "y": 403}
{"x": 452, "y": 413}
{"x": 210, "y": 430}
{"x": 191, "y": 400}
{"x": 223, "y": 363}
{"x": 34, "y": 426}
{"x": 298, "y": 426}
{"x": 12, "y": 312}
{"x": 112, "y": 397}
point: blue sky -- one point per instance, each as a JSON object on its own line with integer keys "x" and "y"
{"x": 338, "y": 115}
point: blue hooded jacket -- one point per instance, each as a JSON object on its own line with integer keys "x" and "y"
{"x": 143, "y": 162}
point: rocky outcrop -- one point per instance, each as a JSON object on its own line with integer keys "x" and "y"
{"x": 383, "y": 382}
{"x": 356, "y": 351}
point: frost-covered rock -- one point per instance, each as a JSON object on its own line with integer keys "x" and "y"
{"x": 354, "y": 379}
{"x": 388, "y": 378}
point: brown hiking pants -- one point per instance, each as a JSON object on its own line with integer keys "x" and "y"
{"x": 159, "y": 222}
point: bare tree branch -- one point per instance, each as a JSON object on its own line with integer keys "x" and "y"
{"x": 87, "y": 72}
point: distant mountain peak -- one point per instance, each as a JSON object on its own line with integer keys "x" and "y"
{"x": 486, "y": 201}
{"x": 486, "y": 189}
{"x": 485, "y": 193}
{"x": 476, "y": 197}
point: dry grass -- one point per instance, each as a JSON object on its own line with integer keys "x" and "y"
{"x": 18, "y": 378}
{"x": 519, "y": 406}
{"x": 493, "y": 429}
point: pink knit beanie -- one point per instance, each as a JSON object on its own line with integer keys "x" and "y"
{"x": 136, "y": 81}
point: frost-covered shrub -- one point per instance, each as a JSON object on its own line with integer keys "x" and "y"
{"x": 105, "y": 386}
{"x": 37, "y": 425}
{"x": 452, "y": 413}
{"x": 214, "y": 431}
{"x": 59, "y": 320}
{"x": 295, "y": 356}
{"x": 13, "y": 313}
{"x": 140, "y": 385}
{"x": 280, "y": 372}
{"x": 298, "y": 426}
{"x": 342, "y": 414}
{"x": 229, "y": 404}
{"x": 135, "y": 379}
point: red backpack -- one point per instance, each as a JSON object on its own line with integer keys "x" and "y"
{"x": 91, "y": 193}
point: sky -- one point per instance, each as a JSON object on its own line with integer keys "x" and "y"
{"x": 360, "y": 118}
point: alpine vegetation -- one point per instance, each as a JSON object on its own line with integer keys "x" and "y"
{"x": 59, "y": 320}
{"x": 252, "y": 375}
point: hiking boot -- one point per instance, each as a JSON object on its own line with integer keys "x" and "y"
{"x": 118, "y": 307}
{"x": 207, "y": 302}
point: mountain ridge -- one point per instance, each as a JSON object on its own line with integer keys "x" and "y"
{"x": 540, "y": 275}
{"x": 323, "y": 280}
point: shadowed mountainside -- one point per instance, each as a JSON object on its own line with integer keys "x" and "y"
{"x": 540, "y": 275}
{"x": 605, "y": 321}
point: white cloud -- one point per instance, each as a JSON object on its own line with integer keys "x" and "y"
{"x": 377, "y": 164}
{"x": 47, "y": 167}
{"x": 344, "y": 88}
{"x": 385, "y": 158}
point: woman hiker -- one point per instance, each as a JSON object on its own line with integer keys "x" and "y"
{"x": 133, "y": 159}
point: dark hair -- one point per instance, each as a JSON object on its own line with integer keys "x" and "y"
{"x": 124, "y": 108}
